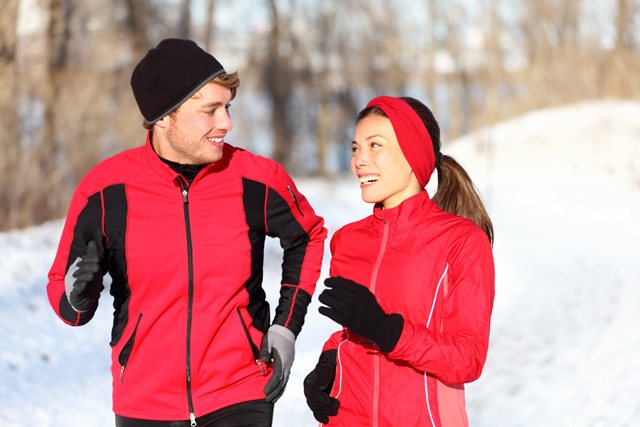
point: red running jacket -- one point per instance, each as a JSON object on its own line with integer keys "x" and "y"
{"x": 186, "y": 267}
{"x": 436, "y": 269}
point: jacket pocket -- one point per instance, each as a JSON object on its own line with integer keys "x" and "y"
{"x": 125, "y": 353}
{"x": 255, "y": 351}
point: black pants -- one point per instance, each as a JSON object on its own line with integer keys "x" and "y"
{"x": 256, "y": 413}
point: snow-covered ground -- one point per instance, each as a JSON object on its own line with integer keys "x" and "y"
{"x": 563, "y": 188}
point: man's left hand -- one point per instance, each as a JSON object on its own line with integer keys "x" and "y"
{"x": 278, "y": 344}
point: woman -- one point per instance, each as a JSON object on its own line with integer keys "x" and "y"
{"x": 412, "y": 284}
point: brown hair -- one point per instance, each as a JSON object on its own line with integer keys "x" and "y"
{"x": 231, "y": 81}
{"x": 456, "y": 192}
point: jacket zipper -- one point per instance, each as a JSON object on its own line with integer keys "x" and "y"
{"x": 252, "y": 346}
{"x": 185, "y": 203}
{"x": 125, "y": 353}
{"x": 376, "y": 356}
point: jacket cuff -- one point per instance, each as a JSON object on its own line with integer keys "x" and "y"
{"x": 390, "y": 332}
{"x": 292, "y": 308}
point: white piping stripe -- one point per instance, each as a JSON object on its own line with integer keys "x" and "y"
{"x": 340, "y": 364}
{"x": 435, "y": 298}
{"x": 426, "y": 393}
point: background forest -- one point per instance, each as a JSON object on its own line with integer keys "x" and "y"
{"x": 307, "y": 68}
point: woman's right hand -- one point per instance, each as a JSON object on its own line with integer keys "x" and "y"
{"x": 317, "y": 386}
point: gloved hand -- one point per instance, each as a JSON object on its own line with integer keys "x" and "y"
{"x": 83, "y": 282}
{"x": 317, "y": 386}
{"x": 278, "y": 344}
{"x": 355, "y": 307}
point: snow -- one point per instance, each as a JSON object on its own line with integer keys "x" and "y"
{"x": 563, "y": 188}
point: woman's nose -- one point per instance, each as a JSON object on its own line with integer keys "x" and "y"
{"x": 360, "y": 158}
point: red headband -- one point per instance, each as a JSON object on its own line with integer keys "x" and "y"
{"x": 412, "y": 135}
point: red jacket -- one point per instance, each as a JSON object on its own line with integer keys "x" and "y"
{"x": 436, "y": 270}
{"x": 186, "y": 268}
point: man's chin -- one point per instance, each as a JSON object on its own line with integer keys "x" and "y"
{"x": 212, "y": 156}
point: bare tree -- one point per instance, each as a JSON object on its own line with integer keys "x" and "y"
{"x": 327, "y": 18}
{"x": 9, "y": 128}
{"x": 277, "y": 79}
{"x": 431, "y": 48}
{"x": 209, "y": 27}
{"x": 624, "y": 59}
{"x": 624, "y": 25}
{"x": 184, "y": 21}
{"x": 136, "y": 12}
{"x": 345, "y": 51}
{"x": 66, "y": 100}
{"x": 492, "y": 76}
{"x": 462, "y": 105}
{"x": 58, "y": 46}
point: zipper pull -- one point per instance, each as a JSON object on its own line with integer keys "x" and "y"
{"x": 294, "y": 199}
{"x": 192, "y": 417}
{"x": 121, "y": 373}
{"x": 185, "y": 196}
{"x": 293, "y": 196}
{"x": 262, "y": 369}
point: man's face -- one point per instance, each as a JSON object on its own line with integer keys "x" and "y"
{"x": 194, "y": 133}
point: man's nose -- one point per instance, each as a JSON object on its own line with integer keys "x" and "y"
{"x": 223, "y": 121}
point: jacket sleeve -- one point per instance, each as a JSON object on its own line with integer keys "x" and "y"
{"x": 455, "y": 350}
{"x": 83, "y": 223}
{"x": 335, "y": 340}
{"x": 301, "y": 232}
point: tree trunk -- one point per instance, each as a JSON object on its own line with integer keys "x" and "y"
{"x": 432, "y": 47}
{"x": 9, "y": 129}
{"x": 278, "y": 87}
{"x": 46, "y": 157}
{"x": 184, "y": 24}
{"x": 209, "y": 29}
{"x": 136, "y": 25}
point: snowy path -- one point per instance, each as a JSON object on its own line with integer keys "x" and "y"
{"x": 565, "y": 327}
{"x": 563, "y": 188}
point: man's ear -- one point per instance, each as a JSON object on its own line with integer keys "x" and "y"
{"x": 163, "y": 122}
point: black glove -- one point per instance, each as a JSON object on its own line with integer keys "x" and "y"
{"x": 317, "y": 386}
{"x": 83, "y": 282}
{"x": 354, "y": 306}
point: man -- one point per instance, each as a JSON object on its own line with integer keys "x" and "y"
{"x": 180, "y": 224}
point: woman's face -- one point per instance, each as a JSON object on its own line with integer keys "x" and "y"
{"x": 379, "y": 164}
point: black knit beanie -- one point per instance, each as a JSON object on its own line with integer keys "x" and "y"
{"x": 169, "y": 74}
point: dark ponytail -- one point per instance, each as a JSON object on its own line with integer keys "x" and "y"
{"x": 456, "y": 193}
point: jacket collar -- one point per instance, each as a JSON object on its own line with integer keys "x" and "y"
{"x": 164, "y": 170}
{"x": 406, "y": 213}
{"x": 154, "y": 162}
